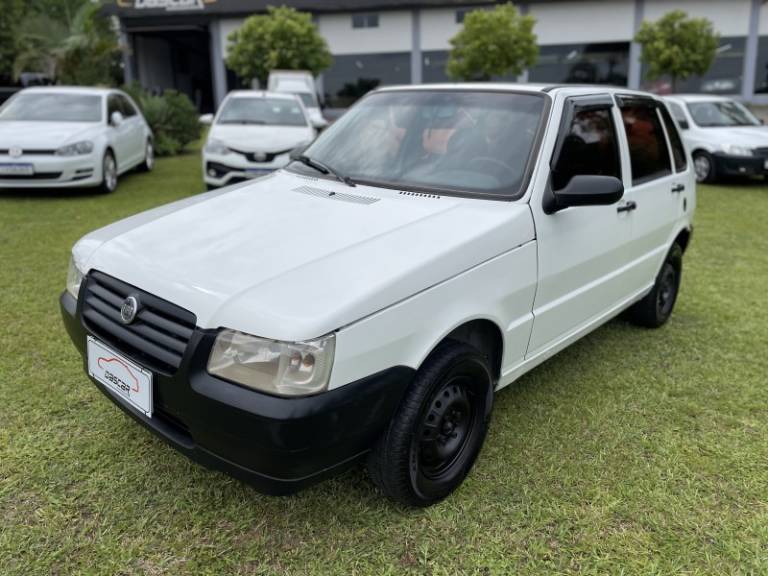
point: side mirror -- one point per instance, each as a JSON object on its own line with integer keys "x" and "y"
{"x": 298, "y": 151}
{"x": 116, "y": 119}
{"x": 319, "y": 123}
{"x": 585, "y": 190}
{"x": 206, "y": 119}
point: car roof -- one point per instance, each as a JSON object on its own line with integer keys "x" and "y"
{"x": 261, "y": 94}
{"x": 567, "y": 89}
{"x": 70, "y": 90}
{"x": 698, "y": 98}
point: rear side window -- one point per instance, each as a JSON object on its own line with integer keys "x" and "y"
{"x": 678, "y": 150}
{"x": 647, "y": 145}
{"x": 589, "y": 148}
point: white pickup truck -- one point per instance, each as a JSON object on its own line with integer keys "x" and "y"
{"x": 366, "y": 301}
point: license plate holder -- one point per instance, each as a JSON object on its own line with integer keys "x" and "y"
{"x": 120, "y": 375}
{"x": 17, "y": 169}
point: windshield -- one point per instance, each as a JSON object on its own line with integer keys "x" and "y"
{"x": 452, "y": 141}
{"x": 308, "y": 99}
{"x": 721, "y": 113}
{"x": 266, "y": 111}
{"x": 52, "y": 107}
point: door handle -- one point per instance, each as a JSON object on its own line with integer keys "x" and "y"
{"x": 628, "y": 207}
{"x": 677, "y": 188}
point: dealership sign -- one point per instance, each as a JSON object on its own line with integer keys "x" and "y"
{"x": 168, "y": 5}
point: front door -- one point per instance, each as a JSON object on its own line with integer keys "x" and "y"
{"x": 582, "y": 250}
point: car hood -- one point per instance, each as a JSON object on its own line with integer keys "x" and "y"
{"x": 261, "y": 138}
{"x": 283, "y": 258}
{"x": 751, "y": 136}
{"x": 42, "y": 135}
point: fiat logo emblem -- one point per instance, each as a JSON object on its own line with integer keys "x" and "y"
{"x": 129, "y": 309}
{"x": 15, "y": 152}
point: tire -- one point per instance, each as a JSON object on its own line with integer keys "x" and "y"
{"x": 109, "y": 173}
{"x": 438, "y": 430}
{"x": 656, "y": 307}
{"x": 704, "y": 167}
{"x": 149, "y": 158}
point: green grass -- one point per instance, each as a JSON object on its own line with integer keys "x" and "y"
{"x": 632, "y": 452}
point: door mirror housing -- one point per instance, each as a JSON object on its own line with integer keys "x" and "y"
{"x": 116, "y": 119}
{"x": 206, "y": 119}
{"x": 585, "y": 190}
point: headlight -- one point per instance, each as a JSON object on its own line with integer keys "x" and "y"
{"x": 736, "y": 150}
{"x": 76, "y": 149}
{"x": 74, "y": 278}
{"x": 282, "y": 368}
{"x": 214, "y": 146}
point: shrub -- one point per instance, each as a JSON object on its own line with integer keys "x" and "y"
{"x": 172, "y": 117}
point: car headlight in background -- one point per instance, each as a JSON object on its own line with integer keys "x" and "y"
{"x": 282, "y": 368}
{"x": 76, "y": 149}
{"x": 74, "y": 278}
{"x": 736, "y": 150}
{"x": 218, "y": 147}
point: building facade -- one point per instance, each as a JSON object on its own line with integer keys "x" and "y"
{"x": 182, "y": 44}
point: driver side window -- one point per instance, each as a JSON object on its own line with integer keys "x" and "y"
{"x": 589, "y": 148}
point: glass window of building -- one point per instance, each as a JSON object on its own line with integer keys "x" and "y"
{"x": 366, "y": 20}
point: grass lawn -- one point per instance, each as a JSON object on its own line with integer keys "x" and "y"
{"x": 632, "y": 452}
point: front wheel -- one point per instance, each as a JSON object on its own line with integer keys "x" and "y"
{"x": 109, "y": 173}
{"x": 149, "y": 158}
{"x": 704, "y": 166}
{"x": 437, "y": 432}
{"x": 655, "y": 309}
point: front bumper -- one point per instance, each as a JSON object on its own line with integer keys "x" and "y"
{"x": 222, "y": 170}
{"x": 727, "y": 165}
{"x": 279, "y": 445}
{"x": 51, "y": 171}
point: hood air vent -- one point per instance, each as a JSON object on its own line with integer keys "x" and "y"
{"x": 340, "y": 196}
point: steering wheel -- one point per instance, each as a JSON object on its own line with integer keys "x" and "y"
{"x": 492, "y": 161}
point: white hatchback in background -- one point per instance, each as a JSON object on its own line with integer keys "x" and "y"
{"x": 253, "y": 134}
{"x": 301, "y": 83}
{"x": 722, "y": 135}
{"x": 60, "y": 137}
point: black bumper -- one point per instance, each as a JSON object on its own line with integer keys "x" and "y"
{"x": 279, "y": 445}
{"x": 727, "y": 165}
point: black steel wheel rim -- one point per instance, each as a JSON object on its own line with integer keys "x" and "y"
{"x": 447, "y": 427}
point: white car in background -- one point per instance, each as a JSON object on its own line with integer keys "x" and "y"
{"x": 59, "y": 137}
{"x": 722, "y": 135}
{"x": 301, "y": 83}
{"x": 252, "y": 135}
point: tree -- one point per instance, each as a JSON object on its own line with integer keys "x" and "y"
{"x": 283, "y": 38}
{"x": 10, "y": 15}
{"x": 677, "y": 46}
{"x": 79, "y": 48}
{"x": 493, "y": 43}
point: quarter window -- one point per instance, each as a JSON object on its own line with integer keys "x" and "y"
{"x": 369, "y": 20}
{"x": 678, "y": 150}
{"x": 589, "y": 148}
{"x": 647, "y": 146}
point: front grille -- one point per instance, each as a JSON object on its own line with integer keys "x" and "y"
{"x": 36, "y": 176}
{"x": 158, "y": 336}
{"x": 265, "y": 156}
{"x": 5, "y": 152}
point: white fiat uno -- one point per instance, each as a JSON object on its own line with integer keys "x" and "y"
{"x": 365, "y": 302}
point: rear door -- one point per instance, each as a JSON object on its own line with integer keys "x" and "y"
{"x": 583, "y": 250}
{"x": 660, "y": 182}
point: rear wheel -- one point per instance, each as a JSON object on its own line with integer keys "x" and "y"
{"x": 438, "y": 430}
{"x": 109, "y": 173}
{"x": 704, "y": 166}
{"x": 655, "y": 309}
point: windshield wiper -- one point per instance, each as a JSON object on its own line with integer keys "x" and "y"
{"x": 324, "y": 169}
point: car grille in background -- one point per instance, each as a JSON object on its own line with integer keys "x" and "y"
{"x": 36, "y": 176}
{"x": 5, "y": 152}
{"x": 158, "y": 336}
{"x": 266, "y": 156}
{"x": 761, "y": 152}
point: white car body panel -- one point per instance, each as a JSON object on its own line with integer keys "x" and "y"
{"x": 127, "y": 141}
{"x": 392, "y": 272}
